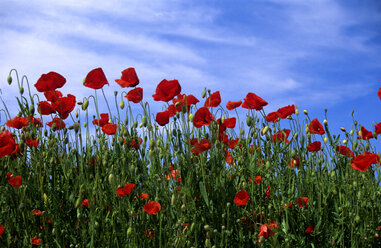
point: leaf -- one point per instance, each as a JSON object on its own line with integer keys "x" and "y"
{"x": 203, "y": 193}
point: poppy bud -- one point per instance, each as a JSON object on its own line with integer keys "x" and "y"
{"x": 9, "y": 79}
{"x": 129, "y": 231}
{"x": 325, "y": 139}
{"x": 296, "y": 111}
{"x": 325, "y": 122}
{"x": 2, "y": 129}
{"x": 203, "y": 93}
{"x": 121, "y": 104}
{"x": 206, "y": 227}
{"x": 343, "y": 129}
{"x": 173, "y": 199}
{"x": 345, "y": 141}
{"x": 135, "y": 125}
{"x": 248, "y": 121}
{"x": 31, "y": 109}
{"x": 264, "y": 130}
{"x": 305, "y": 111}
{"x": 21, "y": 90}
{"x": 111, "y": 178}
{"x": 190, "y": 117}
{"x": 144, "y": 121}
{"x": 85, "y": 124}
{"x": 351, "y": 133}
{"x": 177, "y": 103}
{"x": 85, "y": 105}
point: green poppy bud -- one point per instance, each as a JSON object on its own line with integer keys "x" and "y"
{"x": 203, "y": 93}
{"x": 2, "y": 129}
{"x": 9, "y": 79}
{"x": 121, "y": 104}
{"x": 31, "y": 109}
{"x": 21, "y": 90}
{"x": 85, "y": 105}
{"x": 144, "y": 121}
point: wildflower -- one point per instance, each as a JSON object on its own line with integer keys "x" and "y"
{"x": 272, "y": 117}
{"x": 102, "y": 121}
{"x": 379, "y": 93}
{"x": 32, "y": 142}
{"x": 142, "y": 196}
{"x": 125, "y": 190}
{"x": 365, "y": 134}
{"x": 128, "y": 79}
{"x": 162, "y": 118}
{"x": 52, "y": 95}
{"x": 15, "y": 182}
{"x": 64, "y": 105}
{"x": 310, "y": 229}
{"x": 86, "y": 203}
{"x": 50, "y": 81}
{"x": 167, "y": 90}
{"x": 316, "y": 127}
{"x": 152, "y": 207}
{"x": 267, "y": 193}
{"x": 343, "y": 150}
{"x": 281, "y": 136}
{"x": 286, "y": 111}
{"x": 314, "y": 147}
{"x": 302, "y": 202}
{"x": 294, "y": 162}
{"x": 109, "y": 128}
{"x": 232, "y": 105}
{"x": 7, "y": 143}
{"x": 363, "y": 161}
{"x": 202, "y": 117}
{"x": 135, "y": 95}
{"x": 257, "y": 180}
{"x": 96, "y": 79}
{"x": 200, "y": 147}
{"x": 18, "y": 122}
{"x": 1, "y": 230}
{"x": 265, "y": 232}
{"x": 37, "y": 212}
{"x": 252, "y": 101}
{"x": 45, "y": 108}
{"x": 377, "y": 128}
{"x": 36, "y": 240}
{"x": 59, "y": 123}
{"x": 214, "y": 100}
{"x": 241, "y": 198}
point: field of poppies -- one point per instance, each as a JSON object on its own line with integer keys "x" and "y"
{"x": 192, "y": 175}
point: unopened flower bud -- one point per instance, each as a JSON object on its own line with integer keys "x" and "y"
{"x": 325, "y": 122}
{"x": 345, "y": 141}
{"x": 351, "y": 133}
{"x": 9, "y": 79}
{"x": 343, "y": 129}
{"x": 121, "y": 104}
{"x": 305, "y": 111}
{"x": 264, "y": 130}
{"x": 111, "y": 178}
{"x": 21, "y": 90}
{"x": 203, "y": 93}
{"x": 2, "y": 129}
{"x": 85, "y": 105}
{"x": 325, "y": 140}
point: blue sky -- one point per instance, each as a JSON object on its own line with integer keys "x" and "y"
{"x": 315, "y": 54}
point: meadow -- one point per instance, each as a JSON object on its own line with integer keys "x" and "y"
{"x": 182, "y": 177}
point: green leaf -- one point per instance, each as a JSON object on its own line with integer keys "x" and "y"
{"x": 203, "y": 193}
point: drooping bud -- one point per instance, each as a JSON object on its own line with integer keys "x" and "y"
{"x": 343, "y": 129}
{"x": 305, "y": 111}
{"x": 9, "y": 79}
{"x": 121, "y": 104}
{"x": 85, "y": 105}
{"x": 21, "y": 90}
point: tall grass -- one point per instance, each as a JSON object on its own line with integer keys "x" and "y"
{"x": 72, "y": 177}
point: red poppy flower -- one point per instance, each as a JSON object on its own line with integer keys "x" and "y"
{"x": 344, "y": 151}
{"x": 128, "y": 79}
{"x": 233, "y": 143}
{"x": 37, "y": 212}
{"x": 379, "y": 93}
{"x": 213, "y": 100}
{"x": 36, "y": 240}
{"x": 302, "y": 202}
{"x": 314, "y": 147}
{"x": 294, "y": 162}
{"x": 281, "y": 136}
{"x": 152, "y": 207}
{"x": 228, "y": 157}
{"x": 150, "y": 233}
{"x": 34, "y": 121}
{"x": 16, "y": 152}
{"x": 96, "y": 79}
{"x": 202, "y": 117}
{"x": 162, "y": 118}
{"x": 286, "y": 111}
{"x": 102, "y": 121}
{"x": 252, "y": 101}
{"x": 15, "y": 182}
{"x": 7, "y": 143}
{"x": 316, "y": 127}
{"x": 31, "y": 142}
{"x": 52, "y": 95}
{"x": 232, "y": 105}
{"x": 267, "y": 193}
{"x": 134, "y": 142}
{"x": 230, "y": 122}
{"x": 59, "y": 123}
{"x": 1, "y": 230}
{"x": 272, "y": 117}
{"x": 377, "y": 128}
{"x": 241, "y": 198}
{"x": 142, "y": 196}
{"x": 50, "y": 81}
{"x": 86, "y": 203}
{"x": 265, "y": 232}
{"x": 186, "y": 100}
{"x": 109, "y": 128}
{"x": 257, "y": 180}
{"x": 18, "y": 122}
{"x": 200, "y": 147}
{"x": 167, "y": 90}
{"x": 363, "y": 161}
{"x": 64, "y": 105}
{"x": 310, "y": 229}
{"x": 125, "y": 190}
{"x": 135, "y": 95}
{"x": 45, "y": 108}
{"x": 365, "y": 134}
